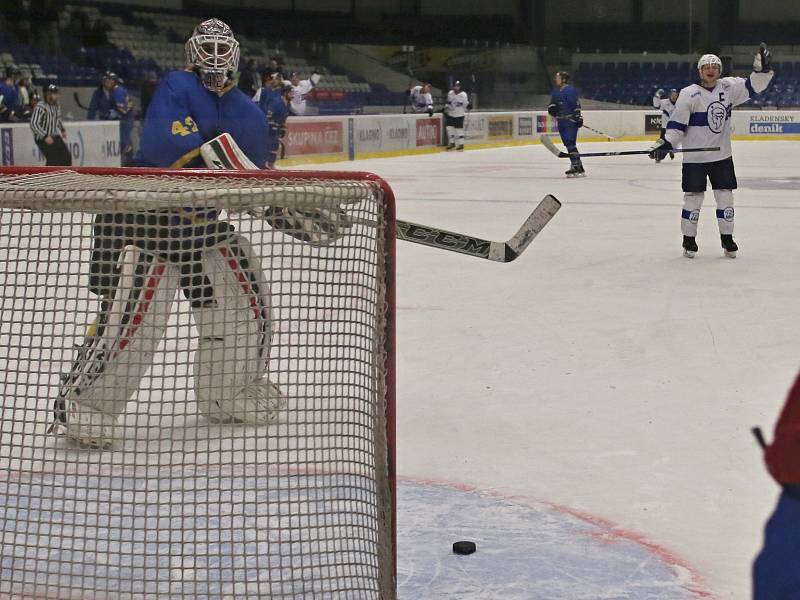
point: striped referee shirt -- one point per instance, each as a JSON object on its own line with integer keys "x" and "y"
{"x": 46, "y": 120}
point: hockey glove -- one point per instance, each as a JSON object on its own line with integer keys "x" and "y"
{"x": 763, "y": 59}
{"x": 552, "y": 109}
{"x": 578, "y": 120}
{"x": 661, "y": 149}
{"x": 661, "y": 93}
{"x": 316, "y": 226}
{"x": 430, "y": 111}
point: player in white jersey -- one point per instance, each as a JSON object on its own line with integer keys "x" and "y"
{"x": 300, "y": 89}
{"x": 454, "y": 112}
{"x": 666, "y": 104}
{"x": 702, "y": 119}
{"x": 420, "y": 99}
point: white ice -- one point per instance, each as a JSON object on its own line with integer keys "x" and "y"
{"x": 602, "y": 370}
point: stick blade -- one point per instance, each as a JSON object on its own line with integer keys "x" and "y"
{"x": 548, "y": 143}
{"x": 532, "y": 226}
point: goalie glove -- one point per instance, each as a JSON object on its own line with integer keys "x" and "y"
{"x": 762, "y": 60}
{"x": 316, "y": 226}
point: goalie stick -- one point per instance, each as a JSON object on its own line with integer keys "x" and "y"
{"x": 223, "y": 152}
{"x": 465, "y": 244}
{"x": 548, "y": 143}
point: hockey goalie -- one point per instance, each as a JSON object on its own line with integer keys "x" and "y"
{"x": 140, "y": 261}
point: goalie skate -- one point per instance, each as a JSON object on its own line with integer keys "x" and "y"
{"x": 258, "y": 403}
{"x": 88, "y": 427}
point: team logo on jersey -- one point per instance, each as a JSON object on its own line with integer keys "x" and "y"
{"x": 717, "y": 114}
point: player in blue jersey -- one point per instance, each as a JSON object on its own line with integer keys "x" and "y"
{"x": 273, "y": 101}
{"x": 140, "y": 260}
{"x": 565, "y": 107}
{"x": 111, "y": 102}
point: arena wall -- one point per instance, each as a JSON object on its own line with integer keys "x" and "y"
{"x": 331, "y": 139}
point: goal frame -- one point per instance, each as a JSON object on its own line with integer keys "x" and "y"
{"x": 390, "y": 236}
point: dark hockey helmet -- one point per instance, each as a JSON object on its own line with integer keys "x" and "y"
{"x": 564, "y": 75}
{"x": 213, "y": 53}
{"x": 457, "y": 85}
{"x": 51, "y": 89}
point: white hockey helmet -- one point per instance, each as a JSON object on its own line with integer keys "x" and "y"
{"x": 709, "y": 59}
{"x": 214, "y": 53}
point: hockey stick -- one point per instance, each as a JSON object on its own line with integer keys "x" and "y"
{"x": 548, "y": 143}
{"x": 597, "y": 131}
{"x": 465, "y": 244}
{"x": 610, "y": 137}
{"x": 78, "y": 101}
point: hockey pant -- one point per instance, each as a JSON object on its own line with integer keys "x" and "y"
{"x": 690, "y": 215}
{"x": 231, "y": 313}
{"x": 569, "y": 136}
{"x": 455, "y": 131}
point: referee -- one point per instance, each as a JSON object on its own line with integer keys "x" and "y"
{"x": 48, "y": 130}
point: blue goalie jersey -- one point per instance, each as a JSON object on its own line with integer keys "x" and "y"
{"x": 183, "y": 115}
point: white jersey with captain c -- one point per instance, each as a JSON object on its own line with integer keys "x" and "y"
{"x": 702, "y": 117}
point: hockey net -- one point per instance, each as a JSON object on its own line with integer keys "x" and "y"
{"x": 179, "y": 505}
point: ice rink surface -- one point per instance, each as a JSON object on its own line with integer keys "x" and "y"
{"x": 602, "y": 372}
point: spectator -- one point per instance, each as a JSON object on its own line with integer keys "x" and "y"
{"x": 25, "y": 90}
{"x": 48, "y": 130}
{"x": 276, "y": 66}
{"x": 9, "y": 96}
{"x": 249, "y": 79}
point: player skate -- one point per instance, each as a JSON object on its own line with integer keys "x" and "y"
{"x": 575, "y": 171}
{"x": 728, "y": 245}
{"x": 689, "y": 246}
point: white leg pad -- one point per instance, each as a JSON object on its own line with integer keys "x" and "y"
{"x": 118, "y": 349}
{"x": 235, "y": 330}
{"x": 690, "y": 215}
{"x": 724, "y": 200}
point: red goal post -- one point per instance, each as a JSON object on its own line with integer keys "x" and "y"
{"x": 180, "y": 506}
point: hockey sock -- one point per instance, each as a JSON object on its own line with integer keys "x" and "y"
{"x": 460, "y": 137}
{"x": 724, "y": 200}
{"x": 451, "y": 134}
{"x": 690, "y": 215}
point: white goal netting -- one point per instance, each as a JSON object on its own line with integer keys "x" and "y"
{"x": 194, "y": 397}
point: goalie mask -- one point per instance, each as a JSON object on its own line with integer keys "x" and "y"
{"x": 213, "y": 52}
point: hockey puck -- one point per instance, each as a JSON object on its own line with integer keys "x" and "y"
{"x": 464, "y": 547}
